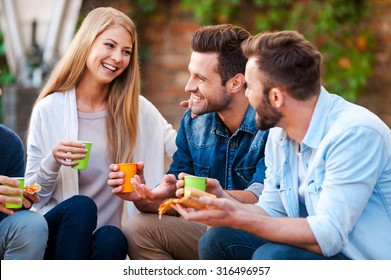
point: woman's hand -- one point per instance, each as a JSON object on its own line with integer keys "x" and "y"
{"x": 67, "y": 151}
{"x": 188, "y": 104}
{"x": 116, "y": 179}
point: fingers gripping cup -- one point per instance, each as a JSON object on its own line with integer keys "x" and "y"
{"x": 21, "y": 186}
{"x": 129, "y": 170}
{"x": 83, "y": 162}
{"x": 195, "y": 182}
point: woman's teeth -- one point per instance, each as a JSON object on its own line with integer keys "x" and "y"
{"x": 112, "y": 68}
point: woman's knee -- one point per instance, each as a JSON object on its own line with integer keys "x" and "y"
{"x": 81, "y": 209}
{"x": 76, "y": 212}
{"x": 81, "y": 204}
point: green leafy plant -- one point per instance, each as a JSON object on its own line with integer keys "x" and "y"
{"x": 6, "y": 77}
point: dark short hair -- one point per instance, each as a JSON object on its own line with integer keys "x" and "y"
{"x": 288, "y": 60}
{"x": 226, "y": 40}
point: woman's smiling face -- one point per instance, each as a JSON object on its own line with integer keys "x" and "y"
{"x": 109, "y": 55}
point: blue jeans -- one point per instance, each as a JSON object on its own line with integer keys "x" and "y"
{"x": 224, "y": 243}
{"x": 23, "y": 236}
{"x": 72, "y": 234}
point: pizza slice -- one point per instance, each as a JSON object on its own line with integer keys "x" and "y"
{"x": 34, "y": 188}
{"x": 190, "y": 200}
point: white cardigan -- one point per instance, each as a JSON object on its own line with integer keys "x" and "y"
{"x": 55, "y": 118}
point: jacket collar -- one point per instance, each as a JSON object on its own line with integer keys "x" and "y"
{"x": 247, "y": 125}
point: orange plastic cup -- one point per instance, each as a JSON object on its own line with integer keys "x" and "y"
{"x": 129, "y": 170}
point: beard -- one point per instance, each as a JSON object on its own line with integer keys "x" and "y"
{"x": 220, "y": 101}
{"x": 267, "y": 117}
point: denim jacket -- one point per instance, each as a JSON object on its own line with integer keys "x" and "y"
{"x": 346, "y": 156}
{"x": 206, "y": 148}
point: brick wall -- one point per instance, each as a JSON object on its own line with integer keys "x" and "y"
{"x": 377, "y": 96}
{"x": 168, "y": 36}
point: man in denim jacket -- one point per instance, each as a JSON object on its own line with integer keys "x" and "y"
{"x": 327, "y": 191}
{"x": 221, "y": 142}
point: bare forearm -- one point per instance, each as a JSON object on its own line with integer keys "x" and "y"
{"x": 146, "y": 207}
{"x": 243, "y": 196}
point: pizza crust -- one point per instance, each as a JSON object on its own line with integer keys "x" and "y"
{"x": 190, "y": 200}
{"x": 34, "y": 188}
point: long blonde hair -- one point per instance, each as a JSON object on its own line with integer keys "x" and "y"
{"x": 123, "y": 101}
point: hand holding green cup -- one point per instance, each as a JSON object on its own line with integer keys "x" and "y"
{"x": 83, "y": 162}
{"x": 195, "y": 182}
{"x": 11, "y": 205}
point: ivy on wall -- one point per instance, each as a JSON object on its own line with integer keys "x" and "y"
{"x": 336, "y": 27}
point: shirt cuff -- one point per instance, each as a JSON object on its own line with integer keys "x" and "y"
{"x": 256, "y": 189}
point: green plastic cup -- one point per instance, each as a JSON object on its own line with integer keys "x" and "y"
{"x": 195, "y": 182}
{"x": 21, "y": 186}
{"x": 83, "y": 162}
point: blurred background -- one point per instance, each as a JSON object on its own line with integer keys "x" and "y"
{"x": 354, "y": 37}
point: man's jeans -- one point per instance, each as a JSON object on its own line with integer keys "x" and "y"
{"x": 23, "y": 236}
{"x": 224, "y": 243}
{"x": 72, "y": 237}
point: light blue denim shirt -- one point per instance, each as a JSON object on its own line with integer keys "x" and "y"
{"x": 206, "y": 148}
{"x": 346, "y": 154}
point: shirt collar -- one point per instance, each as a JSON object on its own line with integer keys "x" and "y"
{"x": 317, "y": 125}
{"x": 247, "y": 125}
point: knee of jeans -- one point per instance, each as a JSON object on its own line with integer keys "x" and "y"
{"x": 82, "y": 210}
{"x": 83, "y": 205}
{"x": 35, "y": 224}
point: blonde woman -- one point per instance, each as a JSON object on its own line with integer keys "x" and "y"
{"x": 93, "y": 94}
